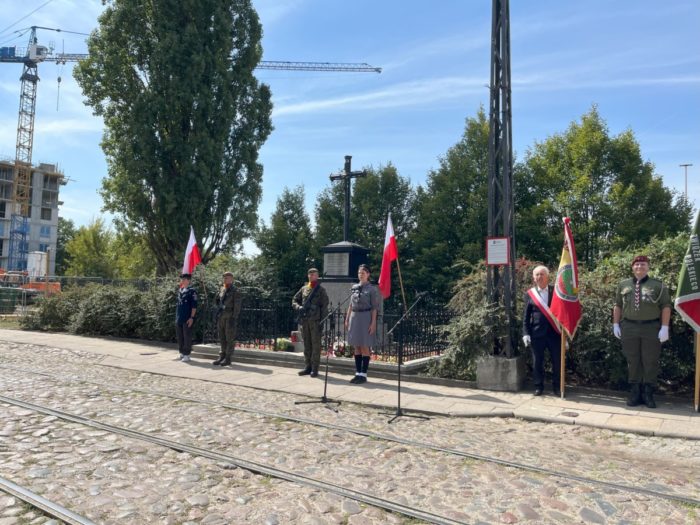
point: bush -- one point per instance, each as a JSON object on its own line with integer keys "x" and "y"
{"x": 125, "y": 311}
{"x": 55, "y": 312}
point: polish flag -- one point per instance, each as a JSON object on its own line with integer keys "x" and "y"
{"x": 391, "y": 253}
{"x": 192, "y": 255}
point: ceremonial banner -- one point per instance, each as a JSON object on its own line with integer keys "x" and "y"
{"x": 192, "y": 255}
{"x": 566, "y": 307}
{"x": 687, "y": 301}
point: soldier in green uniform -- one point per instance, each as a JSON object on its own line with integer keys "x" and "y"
{"x": 229, "y": 308}
{"x": 641, "y": 316}
{"x": 311, "y": 305}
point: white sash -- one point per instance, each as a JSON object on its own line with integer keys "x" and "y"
{"x": 537, "y": 300}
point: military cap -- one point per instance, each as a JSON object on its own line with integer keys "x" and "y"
{"x": 186, "y": 276}
{"x": 640, "y": 258}
{"x": 228, "y": 274}
{"x": 312, "y": 270}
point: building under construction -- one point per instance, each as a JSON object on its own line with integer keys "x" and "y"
{"x": 42, "y": 231}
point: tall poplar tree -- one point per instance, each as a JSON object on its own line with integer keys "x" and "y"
{"x": 184, "y": 120}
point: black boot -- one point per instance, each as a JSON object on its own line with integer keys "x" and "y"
{"x": 218, "y": 361}
{"x": 649, "y": 395}
{"x": 634, "y": 397}
{"x": 305, "y": 372}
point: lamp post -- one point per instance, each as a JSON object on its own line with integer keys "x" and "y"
{"x": 686, "y": 179}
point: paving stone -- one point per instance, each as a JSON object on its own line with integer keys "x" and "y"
{"x": 590, "y": 516}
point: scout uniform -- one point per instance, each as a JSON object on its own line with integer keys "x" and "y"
{"x": 229, "y": 308}
{"x": 311, "y": 312}
{"x": 186, "y": 305}
{"x": 641, "y": 302}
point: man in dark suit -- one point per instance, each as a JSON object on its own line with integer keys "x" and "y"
{"x": 540, "y": 329}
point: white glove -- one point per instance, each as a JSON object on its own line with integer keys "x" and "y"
{"x": 527, "y": 340}
{"x": 663, "y": 334}
{"x": 617, "y": 331}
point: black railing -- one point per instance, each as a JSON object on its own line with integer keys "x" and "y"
{"x": 261, "y": 323}
{"x": 421, "y": 334}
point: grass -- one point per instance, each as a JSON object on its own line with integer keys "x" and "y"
{"x": 9, "y": 322}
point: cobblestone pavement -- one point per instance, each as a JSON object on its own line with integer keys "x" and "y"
{"x": 125, "y": 481}
{"x": 14, "y": 511}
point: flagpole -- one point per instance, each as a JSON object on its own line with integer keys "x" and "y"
{"x": 562, "y": 374}
{"x": 697, "y": 371}
{"x": 403, "y": 294}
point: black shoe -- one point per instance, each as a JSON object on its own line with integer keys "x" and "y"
{"x": 218, "y": 361}
{"x": 538, "y": 392}
{"x": 361, "y": 379}
{"x": 314, "y": 373}
{"x": 355, "y": 379}
{"x": 305, "y": 372}
{"x": 556, "y": 391}
{"x": 226, "y": 362}
{"x": 649, "y": 396}
{"x": 635, "y": 396}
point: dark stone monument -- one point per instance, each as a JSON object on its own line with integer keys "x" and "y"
{"x": 341, "y": 259}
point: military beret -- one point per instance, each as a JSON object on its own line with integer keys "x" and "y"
{"x": 186, "y": 276}
{"x": 312, "y": 270}
{"x": 228, "y": 274}
{"x": 641, "y": 258}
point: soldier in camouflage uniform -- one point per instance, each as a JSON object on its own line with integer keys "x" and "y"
{"x": 311, "y": 305}
{"x": 229, "y": 308}
{"x": 641, "y": 317}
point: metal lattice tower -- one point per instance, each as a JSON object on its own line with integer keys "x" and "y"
{"x": 22, "y": 188}
{"x": 501, "y": 280}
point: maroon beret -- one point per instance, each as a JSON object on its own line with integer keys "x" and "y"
{"x": 641, "y": 258}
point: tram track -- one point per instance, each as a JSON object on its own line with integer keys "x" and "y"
{"x": 686, "y": 500}
{"x": 49, "y": 508}
{"x": 251, "y": 466}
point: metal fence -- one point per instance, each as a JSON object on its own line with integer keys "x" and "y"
{"x": 262, "y": 322}
{"x": 265, "y": 319}
{"x": 421, "y": 334}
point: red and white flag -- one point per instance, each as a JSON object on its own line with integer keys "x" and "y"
{"x": 391, "y": 253}
{"x": 192, "y": 255}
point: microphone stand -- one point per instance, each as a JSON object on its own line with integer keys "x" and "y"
{"x": 324, "y": 400}
{"x": 399, "y": 413}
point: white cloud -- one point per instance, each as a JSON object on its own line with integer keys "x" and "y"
{"x": 272, "y": 11}
{"x": 403, "y": 94}
{"x": 69, "y": 125}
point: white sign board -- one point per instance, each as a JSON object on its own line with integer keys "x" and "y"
{"x": 497, "y": 251}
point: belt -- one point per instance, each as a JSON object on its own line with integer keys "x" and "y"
{"x": 361, "y": 310}
{"x": 648, "y": 321}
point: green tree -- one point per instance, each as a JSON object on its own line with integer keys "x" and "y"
{"x": 133, "y": 257}
{"x": 184, "y": 118}
{"x": 452, "y": 211}
{"x": 287, "y": 245}
{"x": 90, "y": 251}
{"x": 66, "y": 232}
{"x": 602, "y": 183}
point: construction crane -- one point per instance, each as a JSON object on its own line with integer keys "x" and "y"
{"x": 30, "y": 59}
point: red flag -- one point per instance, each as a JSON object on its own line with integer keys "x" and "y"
{"x": 192, "y": 255}
{"x": 566, "y": 307}
{"x": 391, "y": 253}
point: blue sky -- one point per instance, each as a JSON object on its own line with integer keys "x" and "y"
{"x": 637, "y": 60}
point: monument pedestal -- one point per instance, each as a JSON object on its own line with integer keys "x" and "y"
{"x": 340, "y": 263}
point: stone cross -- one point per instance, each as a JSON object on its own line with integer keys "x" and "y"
{"x": 345, "y": 176}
